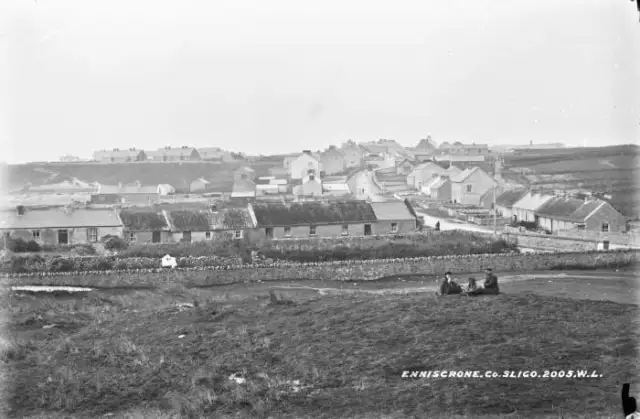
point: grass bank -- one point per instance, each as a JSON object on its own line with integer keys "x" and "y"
{"x": 144, "y": 354}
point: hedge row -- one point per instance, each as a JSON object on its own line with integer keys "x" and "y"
{"x": 282, "y": 264}
{"x": 37, "y": 263}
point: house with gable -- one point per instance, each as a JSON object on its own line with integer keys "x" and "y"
{"x": 470, "y": 185}
{"x": 353, "y": 154}
{"x": 309, "y": 186}
{"x": 423, "y": 173}
{"x": 332, "y": 161}
{"x": 65, "y": 225}
{"x": 506, "y": 200}
{"x": 405, "y": 167}
{"x": 526, "y": 207}
{"x": 439, "y": 187}
{"x": 300, "y": 166}
{"x": 394, "y": 217}
{"x": 570, "y": 213}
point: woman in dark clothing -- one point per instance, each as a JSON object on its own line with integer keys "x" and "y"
{"x": 449, "y": 286}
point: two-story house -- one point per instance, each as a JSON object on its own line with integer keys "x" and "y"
{"x": 332, "y": 161}
{"x": 469, "y": 186}
{"x": 301, "y": 165}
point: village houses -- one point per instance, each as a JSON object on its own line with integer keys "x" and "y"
{"x": 562, "y": 213}
{"x": 506, "y": 200}
{"x": 173, "y": 154}
{"x": 394, "y": 217}
{"x": 526, "y": 207}
{"x": 119, "y": 156}
{"x": 135, "y": 194}
{"x": 332, "y": 161}
{"x": 439, "y": 188}
{"x": 468, "y": 186}
{"x": 424, "y": 173}
{"x": 308, "y": 186}
{"x": 65, "y": 225}
{"x": 299, "y": 167}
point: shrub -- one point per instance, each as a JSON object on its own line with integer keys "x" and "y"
{"x": 116, "y": 243}
{"x": 61, "y": 265}
{"x": 18, "y": 244}
{"x": 104, "y": 265}
{"x": 33, "y": 246}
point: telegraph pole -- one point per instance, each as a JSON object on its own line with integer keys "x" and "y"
{"x": 494, "y": 211}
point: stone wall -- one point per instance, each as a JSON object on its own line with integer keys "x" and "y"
{"x": 335, "y": 271}
{"x": 551, "y": 242}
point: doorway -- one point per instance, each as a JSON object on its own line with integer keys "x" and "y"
{"x": 367, "y": 229}
{"x": 63, "y": 237}
{"x": 155, "y": 237}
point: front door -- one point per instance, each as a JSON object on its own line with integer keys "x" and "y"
{"x": 268, "y": 232}
{"x": 186, "y": 236}
{"x": 155, "y": 237}
{"x": 63, "y": 237}
{"x": 367, "y": 229}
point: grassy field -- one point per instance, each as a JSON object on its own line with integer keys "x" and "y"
{"x": 611, "y": 170}
{"x": 141, "y": 354}
{"x": 179, "y": 175}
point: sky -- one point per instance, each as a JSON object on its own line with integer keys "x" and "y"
{"x": 266, "y": 77}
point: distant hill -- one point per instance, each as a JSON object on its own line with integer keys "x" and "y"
{"x": 179, "y": 175}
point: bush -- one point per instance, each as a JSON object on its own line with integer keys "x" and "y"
{"x": 33, "y": 246}
{"x": 222, "y": 248}
{"x": 116, "y": 243}
{"x": 18, "y": 244}
{"x": 61, "y": 265}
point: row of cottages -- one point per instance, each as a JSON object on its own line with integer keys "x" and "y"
{"x": 66, "y": 225}
{"x": 567, "y": 213}
{"x": 120, "y": 156}
{"x": 332, "y": 219}
{"x": 173, "y": 154}
{"x": 185, "y": 225}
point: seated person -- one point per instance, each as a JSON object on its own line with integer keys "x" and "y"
{"x": 471, "y": 286}
{"x": 449, "y": 286}
{"x": 490, "y": 285}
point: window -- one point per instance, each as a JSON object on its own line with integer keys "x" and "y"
{"x": 63, "y": 237}
{"x": 312, "y": 230}
{"x": 238, "y": 234}
{"x": 367, "y": 229}
{"x": 581, "y": 226}
{"x": 268, "y": 232}
{"x": 287, "y": 231}
{"x": 605, "y": 227}
{"x": 156, "y": 237}
{"x": 207, "y": 235}
{"x": 92, "y": 235}
{"x": 345, "y": 229}
{"x": 394, "y": 227}
{"x": 132, "y": 237}
{"x": 468, "y": 188}
{"x": 36, "y": 234}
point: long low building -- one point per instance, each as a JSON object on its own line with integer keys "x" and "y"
{"x": 66, "y": 225}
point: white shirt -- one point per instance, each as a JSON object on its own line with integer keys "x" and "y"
{"x": 634, "y": 415}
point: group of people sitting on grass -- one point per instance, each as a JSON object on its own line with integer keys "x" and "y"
{"x": 490, "y": 287}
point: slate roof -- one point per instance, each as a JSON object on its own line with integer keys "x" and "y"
{"x": 391, "y": 211}
{"x": 438, "y": 183}
{"x": 144, "y": 220}
{"x": 462, "y": 176}
{"x": 531, "y": 202}
{"x": 510, "y": 197}
{"x": 568, "y": 209}
{"x": 313, "y": 213}
{"x": 57, "y": 218}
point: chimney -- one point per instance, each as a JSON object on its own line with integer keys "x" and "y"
{"x": 20, "y": 210}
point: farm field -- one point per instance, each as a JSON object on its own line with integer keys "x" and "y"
{"x": 142, "y": 354}
{"x": 177, "y": 174}
{"x": 612, "y": 170}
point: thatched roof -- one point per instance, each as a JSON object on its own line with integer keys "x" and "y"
{"x": 313, "y": 213}
{"x": 143, "y": 221}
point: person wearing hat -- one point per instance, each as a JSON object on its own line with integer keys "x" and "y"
{"x": 490, "y": 286}
{"x": 449, "y": 286}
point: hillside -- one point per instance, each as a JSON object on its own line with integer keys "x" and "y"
{"x": 611, "y": 170}
{"x": 179, "y": 175}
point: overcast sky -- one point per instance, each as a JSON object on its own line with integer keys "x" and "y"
{"x": 282, "y": 76}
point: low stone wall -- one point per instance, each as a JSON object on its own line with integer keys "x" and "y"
{"x": 550, "y": 242}
{"x": 334, "y": 271}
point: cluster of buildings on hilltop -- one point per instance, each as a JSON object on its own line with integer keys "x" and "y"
{"x": 253, "y": 221}
{"x": 166, "y": 154}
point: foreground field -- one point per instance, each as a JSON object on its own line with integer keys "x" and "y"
{"x": 142, "y": 354}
